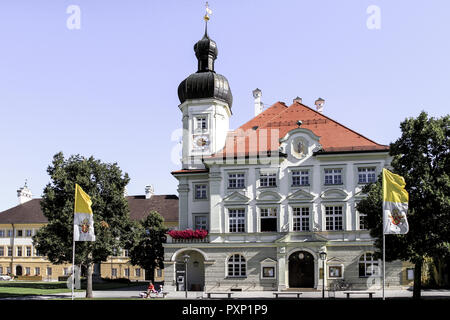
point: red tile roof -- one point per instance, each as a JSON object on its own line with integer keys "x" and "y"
{"x": 334, "y": 137}
{"x": 30, "y": 212}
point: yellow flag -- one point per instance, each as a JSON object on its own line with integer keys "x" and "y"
{"x": 83, "y": 221}
{"x": 395, "y": 204}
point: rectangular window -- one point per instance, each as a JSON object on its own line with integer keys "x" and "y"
{"x": 236, "y": 220}
{"x": 19, "y": 251}
{"x": 2, "y": 251}
{"x": 301, "y": 219}
{"x": 236, "y": 180}
{"x": 37, "y": 271}
{"x": 201, "y": 123}
{"x": 333, "y": 218}
{"x": 49, "y": 271}
{"x": 125, "y": 253}
{"x": 137, "y": 271}
{"x": 201, "y": 191}
{"x": 28, "y": 251}
{"x": 29, "y": 233}
{"x": 300, "y": 178}
{"x": 159, "y": 273}
{"x": 2, "y": 233}
{"x": 268, "y": 180}
{"x": 269, "y": 220}
{"x": 363, "y": 221}
{"x": 410, "y": 274}
{"x": 127, "y": 272}
{"x": 333, "y": 176}
{"x": 66, "y": 271}
{"x": 28, "y": 271}
{"x": 9, "y": 233}
{"x": 19, "y": 233}
{"x": 366, "y": 175}
{"x": 1, "y": 270}
{"x": 114, "y": 272}
{"x": 201, "y": 222}
{"x": 9, "y": 251}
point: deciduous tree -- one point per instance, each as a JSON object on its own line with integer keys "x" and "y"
{"x": 105, "y": 184}
{"x": 422, "y": 156}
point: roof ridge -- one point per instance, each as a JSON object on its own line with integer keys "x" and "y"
{"x": 278, "y": 103}
{"x": 336, "y": 122}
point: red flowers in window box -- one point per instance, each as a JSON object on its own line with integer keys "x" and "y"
{"x": 188, "y": 234}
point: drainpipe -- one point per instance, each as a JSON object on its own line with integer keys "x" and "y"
{"x": 12, "y": 247}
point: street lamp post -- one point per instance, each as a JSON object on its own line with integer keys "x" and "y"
{"x": 323, "y": 257}
{"x": 186, "y": 260}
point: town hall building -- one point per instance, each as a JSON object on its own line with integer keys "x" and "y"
{"x": 277, "y": 196}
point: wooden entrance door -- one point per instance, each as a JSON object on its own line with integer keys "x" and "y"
{"x": 301, "y": 270}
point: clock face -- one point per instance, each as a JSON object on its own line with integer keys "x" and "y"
{"x": 201, "y": 141}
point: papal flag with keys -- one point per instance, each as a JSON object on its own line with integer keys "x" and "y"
{"x": 395, "y": 204}
{"x": 83, "y": 220}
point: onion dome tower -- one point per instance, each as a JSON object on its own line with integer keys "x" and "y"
{"x": 205, "y": 101}
{"x": 205, "y": 83}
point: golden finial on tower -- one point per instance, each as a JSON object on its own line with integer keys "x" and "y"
{"x": 208, "y": 12}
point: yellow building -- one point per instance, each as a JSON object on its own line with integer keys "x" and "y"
{"x": 19, "y": 257}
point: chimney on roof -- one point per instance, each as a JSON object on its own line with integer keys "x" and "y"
{"x": 24, "y": 194}
{"x": 298, "y": 100}
{"x": 258, "y": 104}
{"x": 319, "y": 105}
{"x": 149, "y": 192}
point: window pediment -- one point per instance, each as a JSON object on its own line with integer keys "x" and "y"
{"x": 300, "y": 196}
{"x": 334, "y": 194}
{"x": 268, "y": 261}
{"x": 268, "y": 196}
{"x": 236, "y": 197}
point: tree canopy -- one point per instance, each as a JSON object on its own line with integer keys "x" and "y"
{"x": 147, "y": 251}
{"x": 105, "y": 184}
{"x": 422, "y": 157}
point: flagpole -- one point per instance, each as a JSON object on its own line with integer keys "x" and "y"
{"x": 384, "y": 249}
{"x": 73, "y": 268}
{"x": 384, "y": 263}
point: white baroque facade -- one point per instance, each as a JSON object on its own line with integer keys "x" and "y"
{"x": 273, "y": 195}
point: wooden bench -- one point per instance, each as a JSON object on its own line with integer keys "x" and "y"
{"x": 370, "y": 293}
{"x": 228, "y": 293}
{"x": 276, "y": 294}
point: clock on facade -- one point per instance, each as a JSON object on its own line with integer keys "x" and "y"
{"x": 201, "y": 141}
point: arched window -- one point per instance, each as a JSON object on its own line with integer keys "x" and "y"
{"x": 237, "y": 266}
{"x": 368, "y": 266}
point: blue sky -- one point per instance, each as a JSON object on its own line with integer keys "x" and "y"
{"x": 109, "y": 89}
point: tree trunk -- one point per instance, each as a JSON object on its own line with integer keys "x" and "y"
{"x": 89, "y": 281}
{"x": 417, "y": 279}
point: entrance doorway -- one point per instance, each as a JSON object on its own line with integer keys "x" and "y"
{"x": 195, "y": 271}
{"x": 19, "y": 271}
{"x": 301, "y": 270}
